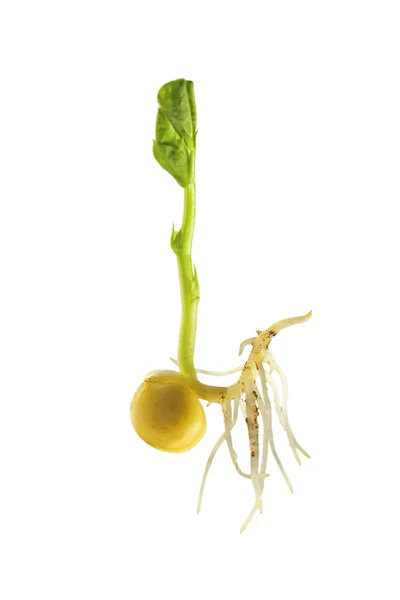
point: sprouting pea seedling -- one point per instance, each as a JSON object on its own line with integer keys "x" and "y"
{"x": 166, "y": 410}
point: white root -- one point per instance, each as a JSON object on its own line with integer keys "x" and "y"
{"x": 213, "y": 373}
{"x": 229, "y": 424}
{"x": 245, "y": 343}
{"x": 207, "y": 469}
{"x": 271, "y": 440}
{"x": 276, "y": 395}
{"x": 267, "y": 431}
{"x": 253, "y": 402}
{"x": 285, "y": 393}
{"x": 224, "y": 437}
{"x": 282, "y": 416}
{"x": 219, "y": 373}
{"x": 249, "y": 519}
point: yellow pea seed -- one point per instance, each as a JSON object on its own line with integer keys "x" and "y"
{"x": 167, "y": 416}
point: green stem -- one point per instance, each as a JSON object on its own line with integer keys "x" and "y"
{"x": 181, "y": 243}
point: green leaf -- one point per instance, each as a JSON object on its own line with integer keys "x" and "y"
{"x": 176, "y": 100}
{"x": 174, "y": 160}
{"x": 176, "y": 129}
{"x": 165, "y": 133}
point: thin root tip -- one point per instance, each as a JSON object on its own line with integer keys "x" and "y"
{"x": 289, "y": 484}
{"x": 304, "y": 453}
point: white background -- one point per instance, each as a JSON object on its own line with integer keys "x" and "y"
{"x": 298, "y": 191}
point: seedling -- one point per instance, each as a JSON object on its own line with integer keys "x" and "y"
{"x": 166, "y": 410}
